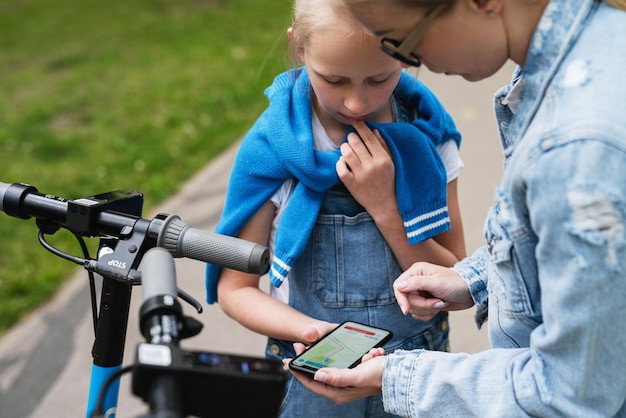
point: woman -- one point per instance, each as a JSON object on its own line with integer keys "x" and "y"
{"x": 551, "y": 278}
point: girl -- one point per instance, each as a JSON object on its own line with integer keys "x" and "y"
{"x": 343, "y": 217}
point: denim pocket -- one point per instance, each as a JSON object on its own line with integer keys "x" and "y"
{"x": 509, "y": 276}
{"x": 433, "y": 335}
{"x": 351, "y": 265}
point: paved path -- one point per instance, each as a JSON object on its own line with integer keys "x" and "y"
{"x": 45, "y": 362}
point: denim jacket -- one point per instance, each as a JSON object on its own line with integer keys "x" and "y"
{"x": 552, "y": 278}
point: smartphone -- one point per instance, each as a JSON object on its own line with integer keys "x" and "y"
{"x": 343, "y": 347}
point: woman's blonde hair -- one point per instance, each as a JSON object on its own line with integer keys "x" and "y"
{"x": 408, "y": 4}
{"x": 619, "y": 4}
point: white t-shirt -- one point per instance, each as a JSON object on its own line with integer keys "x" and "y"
{"x": 448, "y": 151}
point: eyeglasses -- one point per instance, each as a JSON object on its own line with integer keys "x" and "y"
{"x": 402, "y": 51}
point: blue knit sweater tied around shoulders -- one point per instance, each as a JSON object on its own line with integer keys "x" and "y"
{"x": 280, "y": 146}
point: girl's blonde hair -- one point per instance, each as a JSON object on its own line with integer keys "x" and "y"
{"x": 310, "y": 16}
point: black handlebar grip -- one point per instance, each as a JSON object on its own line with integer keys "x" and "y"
{"x": 223, "y": 250}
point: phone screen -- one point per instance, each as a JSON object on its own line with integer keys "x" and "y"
{"x": 342, "y": 348}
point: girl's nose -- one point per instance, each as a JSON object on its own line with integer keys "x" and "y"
{"x": 356, "y": 103}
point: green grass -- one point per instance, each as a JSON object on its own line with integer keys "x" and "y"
{"x": 133, "y": 95}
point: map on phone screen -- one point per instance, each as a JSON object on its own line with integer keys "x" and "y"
{"x": 342, "y": 347}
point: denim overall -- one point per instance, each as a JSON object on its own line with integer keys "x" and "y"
{"x": 346, "y": 273}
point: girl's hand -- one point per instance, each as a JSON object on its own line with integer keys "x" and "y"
{"x": 367, "y": 170}
{"x": 316, "y": 331}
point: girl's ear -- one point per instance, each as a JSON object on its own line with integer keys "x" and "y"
{"x": 294, "y": 44}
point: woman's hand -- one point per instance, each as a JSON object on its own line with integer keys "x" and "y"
{"x": 346, "y": 385}
{"x": 425, "y": 289}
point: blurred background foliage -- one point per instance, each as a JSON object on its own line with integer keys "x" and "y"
{"x": 132, "y": 95}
